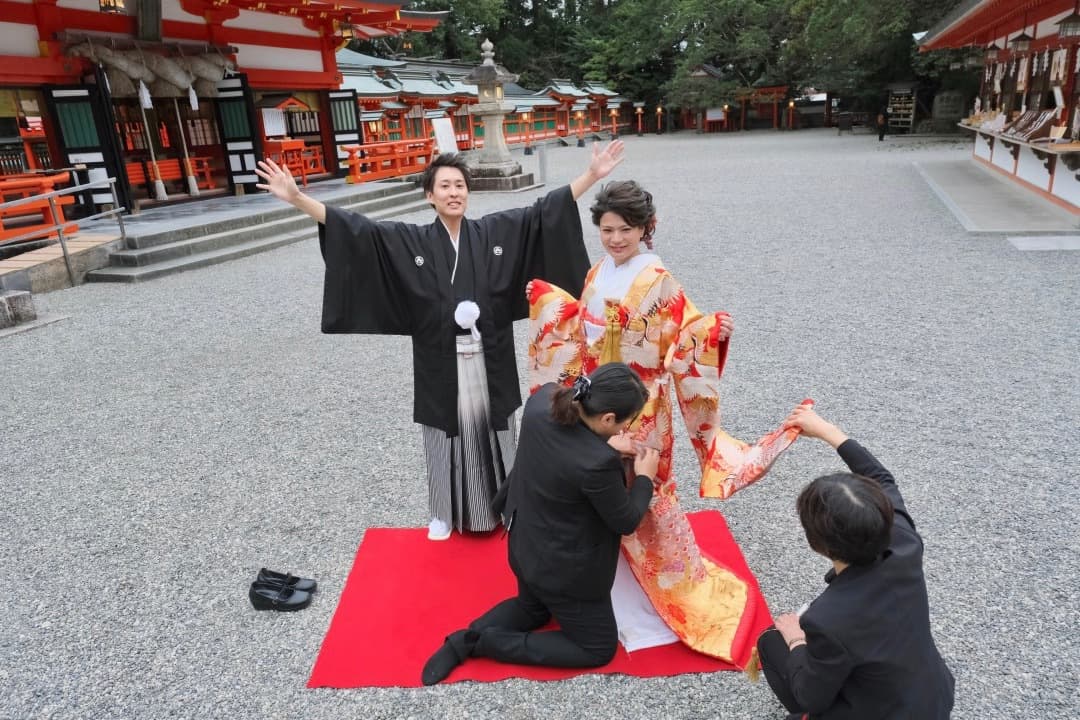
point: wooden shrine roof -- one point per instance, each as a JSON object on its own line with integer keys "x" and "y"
{"x": 979, "y": 22}
{"x": 369, "y": 18}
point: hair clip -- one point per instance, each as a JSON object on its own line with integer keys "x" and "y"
{"x": 582, "y": 387}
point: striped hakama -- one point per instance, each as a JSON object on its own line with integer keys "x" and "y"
{"x": 466, "y": 471}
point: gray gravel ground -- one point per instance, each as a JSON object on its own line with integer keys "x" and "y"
{"x": 169, "y": 438}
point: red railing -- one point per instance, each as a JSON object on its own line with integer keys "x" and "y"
{"x": 18, "y": 219}
{"x": 376, "y": 161}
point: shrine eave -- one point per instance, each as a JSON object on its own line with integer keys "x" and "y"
{"x": 372, "y": 17}
{"x": 978, "y": 22}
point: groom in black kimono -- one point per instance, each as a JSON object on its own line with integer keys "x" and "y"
{"x": 455, "y": 286}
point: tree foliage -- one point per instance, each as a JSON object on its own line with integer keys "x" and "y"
{"x": 648, "y": 50}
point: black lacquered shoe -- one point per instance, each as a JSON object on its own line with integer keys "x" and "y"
{"x": 275, "y": 596}
{"x": 271, "y": 577}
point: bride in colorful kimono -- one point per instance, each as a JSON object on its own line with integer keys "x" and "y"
{"x": 632, "y": 310}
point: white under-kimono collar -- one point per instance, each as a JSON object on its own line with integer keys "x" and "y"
{"x": 454, "y": 243}
{"x": 453, "y": 238}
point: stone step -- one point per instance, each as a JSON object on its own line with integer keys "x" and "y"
{"x": 148, "y": 263}
{"x": 379, "y": 195}
{"x": 191, "y": 262}
{"x": 368, "y": 199}
{"x": 296, "y": 222}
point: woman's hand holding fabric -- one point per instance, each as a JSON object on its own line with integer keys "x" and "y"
{"x": 647, "y": 462}
{"x": 727, "y": 326}
{"x": 624, "y": 443}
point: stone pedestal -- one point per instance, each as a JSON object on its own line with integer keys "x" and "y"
{"x": 493, "y": 178}
{"x": 492, "y": 169}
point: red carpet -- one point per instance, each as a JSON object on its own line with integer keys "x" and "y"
{"x": 405, "y": 594}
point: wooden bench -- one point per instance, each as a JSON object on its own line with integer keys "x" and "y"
{"x": 202, "y": 169}
{"x": 295, "y": 155}
{"x": 29, "y": 187}
{"x": 171, "y": 169}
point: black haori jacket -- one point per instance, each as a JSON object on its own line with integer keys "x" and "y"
{"x": 393, "y": 278}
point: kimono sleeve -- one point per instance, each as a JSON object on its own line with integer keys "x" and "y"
{"x": 696, "y": 362}
{"x": 548, "y": 243}
{"x": 365, "y": 290}
{"x": 695, "y": 357}
{"x": 554, "y": 350}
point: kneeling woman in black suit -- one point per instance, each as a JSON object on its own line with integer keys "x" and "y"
{"x": 863, "y": 649}
{"x": 566, "y": 507}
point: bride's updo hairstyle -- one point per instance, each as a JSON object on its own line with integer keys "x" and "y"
{"x": 629, "y": 201}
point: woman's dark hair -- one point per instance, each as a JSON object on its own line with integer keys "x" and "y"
{"x": 611, "y": 388}
{"x": 629, "y": 201}
{"x": 846, "y": 517}
{"x": 451, "y": 160}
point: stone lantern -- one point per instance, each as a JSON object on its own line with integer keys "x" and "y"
{"x": 493, "y": 168}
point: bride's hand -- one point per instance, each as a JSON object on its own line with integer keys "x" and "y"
{"x": 604, "y": 161}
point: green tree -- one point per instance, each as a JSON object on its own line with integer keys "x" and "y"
{"x": 648, "y": 50}
{"x": 858, "y": 46}
{"x": 743, "y": 41}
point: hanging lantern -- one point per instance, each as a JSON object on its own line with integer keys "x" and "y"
{"x": 111, "y": 6}
{"x": 1070, "y": 26}
{"x": 1022, "y": 42}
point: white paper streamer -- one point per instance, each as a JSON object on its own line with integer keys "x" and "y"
{"x": 144, "y": 96}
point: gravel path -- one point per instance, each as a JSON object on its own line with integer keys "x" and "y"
{"x": 167, "y": 439}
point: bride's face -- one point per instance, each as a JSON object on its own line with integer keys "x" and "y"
{"x": 621, "y": 240}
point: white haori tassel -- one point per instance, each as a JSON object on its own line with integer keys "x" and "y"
{"x": 466, "y": 314}
{"x": 193, "y": 97}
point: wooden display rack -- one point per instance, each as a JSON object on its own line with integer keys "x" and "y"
{"x": 902, "y": 108}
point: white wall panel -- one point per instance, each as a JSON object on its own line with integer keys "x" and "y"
{"x": 18, "y": 39}
{"x": 1032, "y": 169}
{"x": 1066, "y": 185}
{"x": 272, "y": 58}
{"x": 1003, "y": 156}
{"x": 271, "y": 23}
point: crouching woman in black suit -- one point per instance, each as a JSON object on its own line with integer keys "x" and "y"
{"x": 863, "y": 649}
{"x": 567, "y": 505}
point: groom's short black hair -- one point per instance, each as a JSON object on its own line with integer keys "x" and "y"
{"x": 453, "y": 160}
